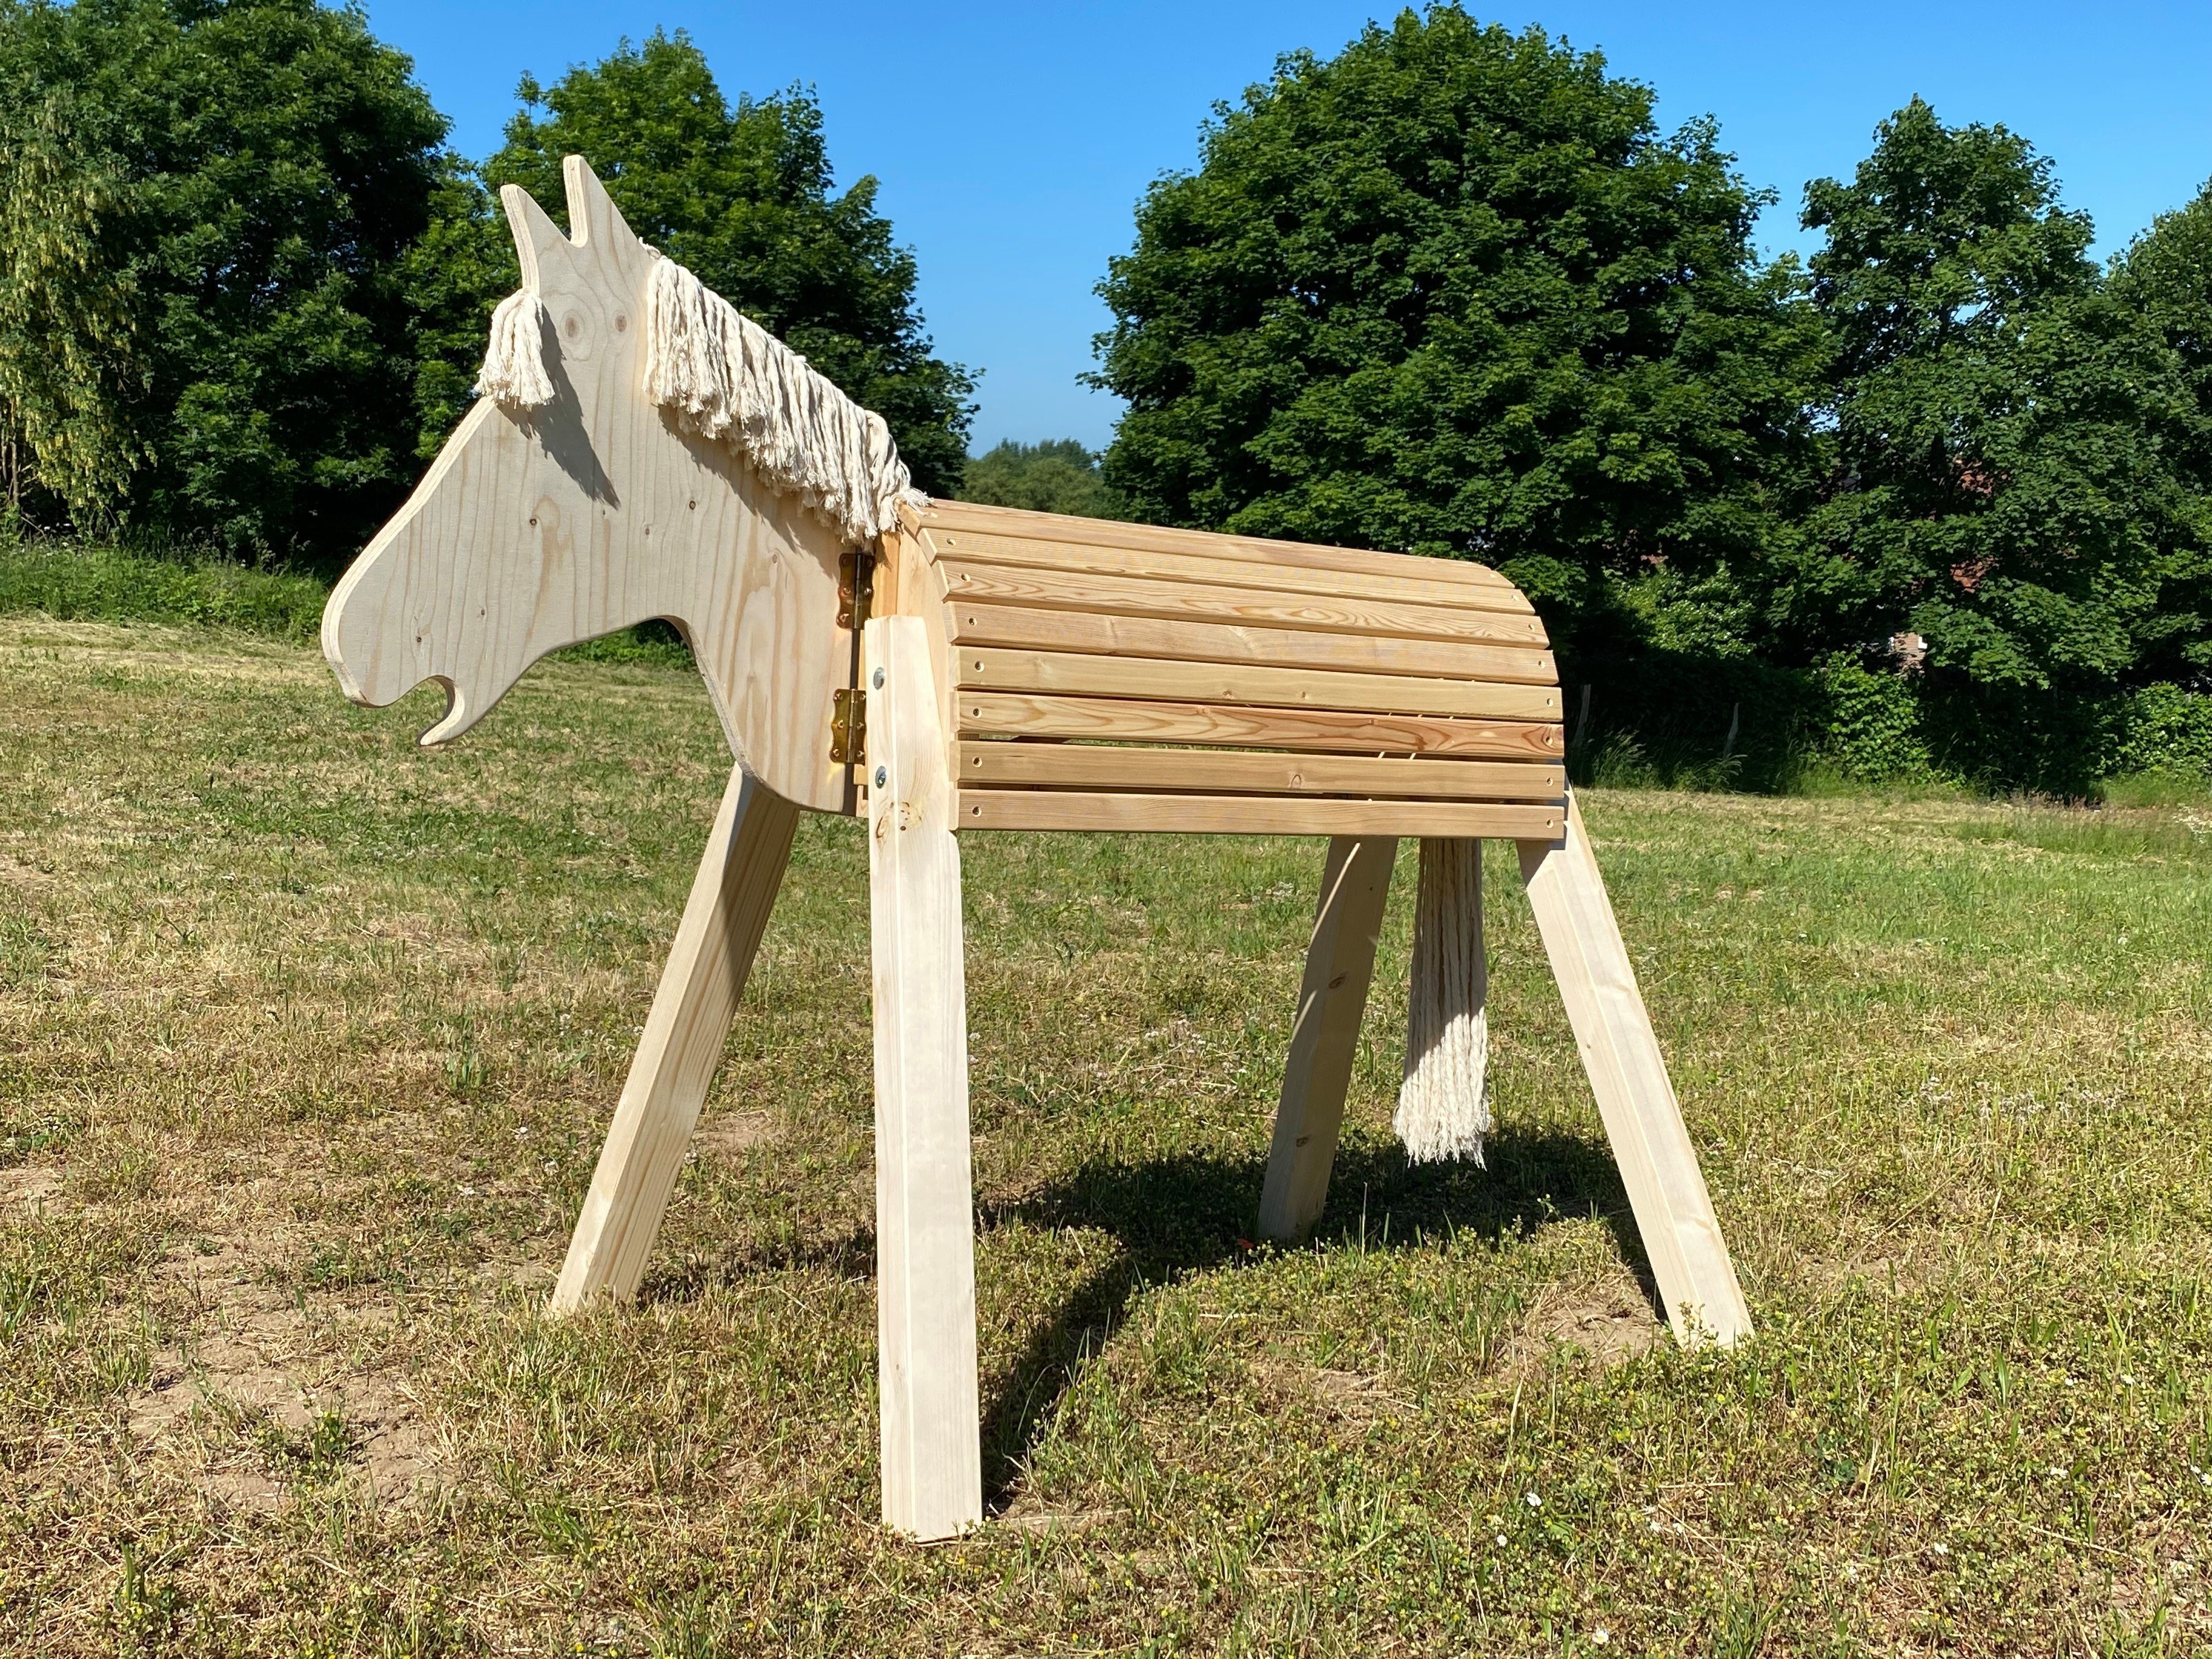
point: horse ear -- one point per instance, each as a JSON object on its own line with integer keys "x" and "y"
{"x": 594, "y": 221}
{"x": 534, "y": 230}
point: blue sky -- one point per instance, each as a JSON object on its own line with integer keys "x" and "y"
{"x": 1014, "y": 141}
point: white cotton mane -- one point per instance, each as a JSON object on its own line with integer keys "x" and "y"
{"x": 730, "y": 382}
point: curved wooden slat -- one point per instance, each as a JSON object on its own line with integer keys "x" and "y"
{"x": 1125, "y": 596}
{"x": 1233, "y": 643}
{"x": 1414, "y": 584}
{"x": 1222, "y": 772}
{"x": 1245, "y": 815}
{"x": 1077, "y": 675}
{"x": 955, "y": 516}
{"x": 1133, "y": 720}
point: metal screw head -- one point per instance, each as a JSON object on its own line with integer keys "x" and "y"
{"x": 883, "y": 776}
{"x": 877, "y": 683}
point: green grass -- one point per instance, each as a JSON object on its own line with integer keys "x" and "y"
{"x": 307, "y": 1039}
{"x": 73, "y": 581}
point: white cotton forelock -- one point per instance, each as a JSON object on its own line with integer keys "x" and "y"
{"x": 515, "y": 362}
{"x": 1443, "y": 1111}
{"x": 730, "y": 380}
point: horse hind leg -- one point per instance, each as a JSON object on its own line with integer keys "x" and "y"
{"x": 932, "y": 1482}
{"x": 698, "y": 997}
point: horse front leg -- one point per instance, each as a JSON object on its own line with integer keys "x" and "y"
{"x": 698, "y": 997}
{"x": 933, "y": 1479}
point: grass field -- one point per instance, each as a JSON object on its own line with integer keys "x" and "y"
{"x": 307, "y": 1039}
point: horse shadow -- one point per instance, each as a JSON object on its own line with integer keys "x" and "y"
{"x": 1188, "y": 1213}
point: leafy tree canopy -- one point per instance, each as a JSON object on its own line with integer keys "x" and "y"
{"x": 1057, "y": 476}
{"x": 2007, "y": 433}
{"x": 742, "y": 195}
{"x": 1452, "y": 292}
{"x": 237, "y": 184}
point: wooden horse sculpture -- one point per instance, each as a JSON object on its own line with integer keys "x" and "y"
{"x": 942, "y": 668}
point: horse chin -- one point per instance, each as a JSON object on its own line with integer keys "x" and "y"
{"x": 462, "y": 711}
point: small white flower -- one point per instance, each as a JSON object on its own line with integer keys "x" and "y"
{"x": 1943, "y": 1549}
{"x": 2128, "y": 1377}
{"x": 2058, "y": 1471}
{"x": 1501, "y": 1540}
{"x": 523, "y": 1134}
{"x": 466, "y": 1192}
{"x": 1600, "y": 1637}
{"x": 1532, "y": 1500}
{"x": 1656, "y": 1526}
{"x": 550, "y": 1164}
{"x": 1852, "y": 1572}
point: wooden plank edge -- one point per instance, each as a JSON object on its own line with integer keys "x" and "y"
{"x": 1245, "y": 815}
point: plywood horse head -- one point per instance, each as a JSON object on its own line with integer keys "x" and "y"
{"x": 941, "y": 669}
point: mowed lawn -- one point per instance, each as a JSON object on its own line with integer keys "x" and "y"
{"x": 308, "y": 1037}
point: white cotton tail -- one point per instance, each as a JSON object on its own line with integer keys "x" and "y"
{"x": 515, "y": 362}
{"x": 1442, "y": 1110}
{"x": 730, "y": 380}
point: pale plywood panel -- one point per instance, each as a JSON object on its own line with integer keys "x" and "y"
{"x": 1249, "y": 815}
{"x": 992, "y": 668}
{"x": 1409, "y": 583}
{"x": 1099, "y": 767}
{"x": 1102, "y": 634}
{"x": 596, "y": 512}
{"x": 1129, "y": 721}
{"x": 1124, "y": 596}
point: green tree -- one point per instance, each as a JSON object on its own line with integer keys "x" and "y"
{"x": 267, "y": 165}
{"x": 742, "y": 196}
{"x": 2006, "y": 432}
{"x": 1451, "y": 292}
{"x": 1057, "y": 476}
{"x": 68, "y": 328}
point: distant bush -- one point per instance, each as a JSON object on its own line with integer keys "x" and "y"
{"x": 1871, "y": 730}
{"x": 2165, "y": 729}
{"x": 76, "y": 582}
{"x": 1057, "y": 476}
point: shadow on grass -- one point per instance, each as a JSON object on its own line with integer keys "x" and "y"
{"x": 1179, "y": 1215}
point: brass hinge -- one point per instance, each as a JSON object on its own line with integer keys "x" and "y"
{"x": 849, "y": 726}
{"x": 856, "y": 589}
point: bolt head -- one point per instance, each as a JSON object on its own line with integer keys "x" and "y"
{"x": 883, "y": 776}
{"x": 877, "y": 683}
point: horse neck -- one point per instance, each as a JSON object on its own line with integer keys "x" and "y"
{"x": 751, "y": 579}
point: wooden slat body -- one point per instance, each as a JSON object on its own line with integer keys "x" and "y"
{"x": 1184, "y": 682}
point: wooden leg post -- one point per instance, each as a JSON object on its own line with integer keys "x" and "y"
{"x": 933, "y": 1474}
{"x": 1628, "y": 1075}
{"x": 700, "y": 989}
{"x": 1325, "y": 1037}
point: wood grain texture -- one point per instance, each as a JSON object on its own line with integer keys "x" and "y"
{"x": 1103, "y": 634}
{"x": 933, "y": 1481}
{"x": 1071, "y": 674}
{"x": 1325, "y": 1033}
{"x": 534, "y": 531}
{"x": 1100, "y": 766}
{"x": 1628, "y": 1075}
{"x": 1249, "y": 815}
{"x": 1131, "y": 720}
{"x": 1055, "y": 590}
{"x": 957, "y": 516}
{"x": 699, "y": 994}
{"x": 1409, "y": 581}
